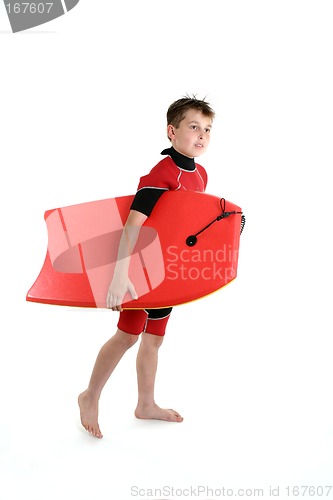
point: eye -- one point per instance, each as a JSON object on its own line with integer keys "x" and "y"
{"x": 207, "y": 130}
{"x": 193, "y": 127}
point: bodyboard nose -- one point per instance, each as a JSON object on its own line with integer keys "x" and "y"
{"x": 81, "y": 256}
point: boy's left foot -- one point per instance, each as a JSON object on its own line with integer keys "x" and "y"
{"x": 156, "y": 413}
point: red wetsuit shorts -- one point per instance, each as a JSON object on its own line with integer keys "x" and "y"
{"x": 136, "y": 321}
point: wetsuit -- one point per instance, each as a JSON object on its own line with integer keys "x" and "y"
{"x": 175, "y": 172}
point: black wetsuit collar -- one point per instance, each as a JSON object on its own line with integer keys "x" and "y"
{"x": 180, "y": 160}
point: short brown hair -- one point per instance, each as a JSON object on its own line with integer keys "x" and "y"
{"x": 177, "y": 110}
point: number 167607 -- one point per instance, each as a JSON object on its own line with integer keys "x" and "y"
{"x": 29, "y": 8}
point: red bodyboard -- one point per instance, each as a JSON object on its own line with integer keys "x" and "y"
{"x": 83, "y": 245}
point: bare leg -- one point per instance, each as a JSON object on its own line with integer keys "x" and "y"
{"x": 107, "y": 359}
{"x": 146, "y": 370}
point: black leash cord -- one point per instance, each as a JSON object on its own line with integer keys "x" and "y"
{"x": 242, "y": 223}
{"x": 191, "y": 240}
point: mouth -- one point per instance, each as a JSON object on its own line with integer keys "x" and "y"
{"x": 199, "y": 145}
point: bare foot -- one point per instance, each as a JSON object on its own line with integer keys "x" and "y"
{"x": 157, "y": 413}
{"x": 89, "y": 414}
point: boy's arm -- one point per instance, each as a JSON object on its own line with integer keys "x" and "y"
{"x": 121, "y": 283}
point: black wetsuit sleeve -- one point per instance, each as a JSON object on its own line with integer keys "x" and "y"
{"x": 145, "y": 200}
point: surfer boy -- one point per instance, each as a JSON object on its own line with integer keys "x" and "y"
{"x": 189, "y": 122}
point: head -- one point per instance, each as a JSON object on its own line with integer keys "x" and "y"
{"x": 189, "y": 122}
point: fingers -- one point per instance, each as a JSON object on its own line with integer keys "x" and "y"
{"x": 132, "y": 291}
{"x": 113, "y": 301}
{"x": 115, "y": 296}
{"x": 116, "y": 307}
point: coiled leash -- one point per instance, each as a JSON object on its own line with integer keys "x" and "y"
{"x": 191, "y": 240}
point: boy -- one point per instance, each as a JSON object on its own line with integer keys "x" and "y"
{"x": 189, "y": 123}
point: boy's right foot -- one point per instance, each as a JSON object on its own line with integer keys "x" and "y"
{"x": 89, "y": 414}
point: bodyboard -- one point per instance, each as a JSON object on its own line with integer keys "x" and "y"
{"x": 187, "y": 248}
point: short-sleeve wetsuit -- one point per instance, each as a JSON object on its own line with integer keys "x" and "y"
{"x": 175, "y": 172}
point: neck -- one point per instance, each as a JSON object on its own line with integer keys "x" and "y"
{"x": 180, "y": 153}
{"x": 182, "y": 161}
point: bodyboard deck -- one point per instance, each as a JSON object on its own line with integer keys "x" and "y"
{"x": 166, "y": 271}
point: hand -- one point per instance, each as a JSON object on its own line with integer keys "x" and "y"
{"x": 117, "y": 291}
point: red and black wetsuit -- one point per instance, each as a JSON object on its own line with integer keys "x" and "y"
{"x": 175, "y": 172}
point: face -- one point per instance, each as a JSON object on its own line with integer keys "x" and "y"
{"x": 192, "y": 136}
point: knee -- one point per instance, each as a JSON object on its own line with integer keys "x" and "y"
{"x": 127, "y": 339}
{"x": 152, "y": 341}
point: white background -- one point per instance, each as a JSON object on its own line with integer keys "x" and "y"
{"x": 82, "y": 116}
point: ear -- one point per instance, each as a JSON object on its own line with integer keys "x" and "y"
{"x": 171, "y": 132}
